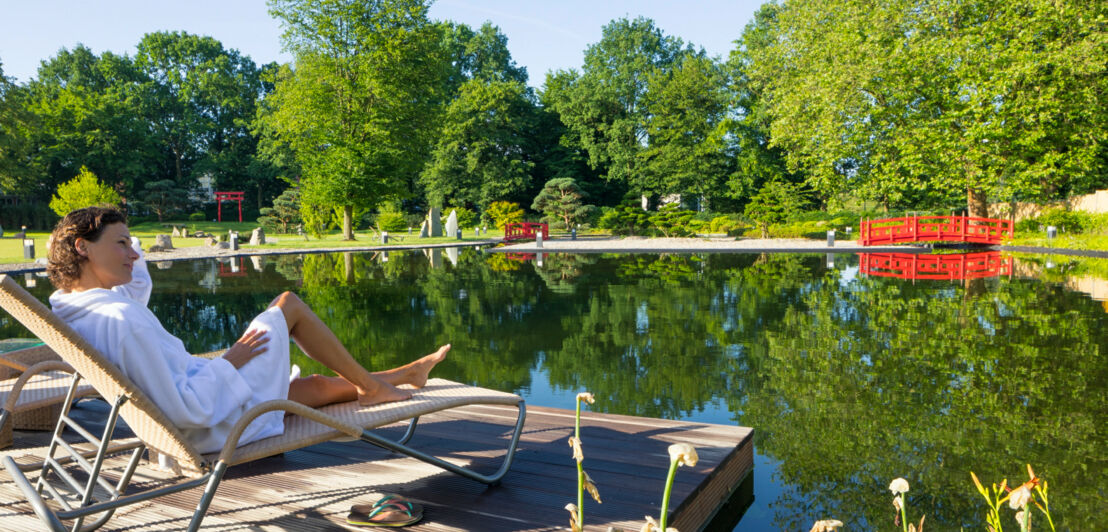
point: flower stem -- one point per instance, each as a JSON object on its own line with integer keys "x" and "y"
{"x": 665, "y": 496}
{"x": 580, "y": 472}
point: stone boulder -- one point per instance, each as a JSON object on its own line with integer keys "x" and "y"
{"x": 176, "y": 231}
{"x": 164, "y": 241}
{"x": 257, "y": 237}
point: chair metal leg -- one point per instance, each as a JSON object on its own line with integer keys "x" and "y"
{"x": 209, "y": 494}
{"x": 465, "y": 472}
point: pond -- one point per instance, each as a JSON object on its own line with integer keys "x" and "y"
{"x": 849, "y": 379}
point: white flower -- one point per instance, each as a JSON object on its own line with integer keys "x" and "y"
{"x": 683, "y": 454}
{"x": 898, "y": 486}
{"x": 898, "y": 502}
{"x": 1018, "y": 498}
{"x": 586, "y": 397}
{"x": 578, "y": 454}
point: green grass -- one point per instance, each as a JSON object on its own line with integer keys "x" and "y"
{"x": 11, "y": 249}
{"x": 1094, "y": 242}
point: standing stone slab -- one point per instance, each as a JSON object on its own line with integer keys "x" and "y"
{"x": 434, "y": 220}
{"x": 176, "y": 231}
{"x": 423, "y": 232}
{"x": 257, "y": 237}
{"x": 452, "y": 223}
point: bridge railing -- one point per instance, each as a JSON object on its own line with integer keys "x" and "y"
{"x": 525, "y": 231}
{"x": 938, "y": 267}
{"x": 935, "y": 229}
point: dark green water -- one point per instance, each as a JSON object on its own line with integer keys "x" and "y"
{"x": 849, "y": 381}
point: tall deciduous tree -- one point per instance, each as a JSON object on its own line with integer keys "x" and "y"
{"x": 603, "y": 105}
{"x": 926, "y": 102}
{"x": 481, "y": 155}
{"x": 685, "y": 104}
{"x": 15, "y": 131}
{"x": 361, "y": 104}
{"x": 201, "y": 98}
{"x": 87, "y": 112}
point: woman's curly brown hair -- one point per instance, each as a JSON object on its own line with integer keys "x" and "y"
{"x": 64, "y": 264}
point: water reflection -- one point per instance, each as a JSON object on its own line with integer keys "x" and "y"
{"x": 850, "y": 381}
{"x": 949, "y": 267}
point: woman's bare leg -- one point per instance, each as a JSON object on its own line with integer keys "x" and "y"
{"x": 320, "y": 343}
{"x": 319, "y": 390}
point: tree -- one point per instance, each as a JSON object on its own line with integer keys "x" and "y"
{"x": 360, "y": 106}
{"x": 745, "y": 131}
{"x": 603, "y": 107}
{"x": 685, "y": 105}
{"x": 165, "y": 197}
{"x": 920, "y": 104}
{"x": 562, "y": 201}
{"x": 481, "y": 154}
{"x": 284, "y": 213}
{"x": 502, "y": 213}
{"x": 87, "y": 111}
{"x": 775, "y": 203}
{"x": 15, "y": 133}
{"x": 84, "y": 190}
{"x": 201, "y": 99}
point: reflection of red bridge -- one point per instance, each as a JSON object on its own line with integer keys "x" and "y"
{"x": 945, "y": 267}
{"x": 525, "y": 231}
{"x": 935, "y": 229}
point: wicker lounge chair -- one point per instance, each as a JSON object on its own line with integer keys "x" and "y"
{"x": 307, "y": 426}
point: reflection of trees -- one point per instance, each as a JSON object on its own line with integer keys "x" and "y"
{"x": 560, "y": 271}
{"x": 658, "y": 343}
{"x": 866, "y": 382}
{"x": 396, "y": 310}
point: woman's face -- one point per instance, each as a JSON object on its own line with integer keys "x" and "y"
{"x": 110, "y": 259}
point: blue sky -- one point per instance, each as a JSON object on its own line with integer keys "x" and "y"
{"x": 541, "y": 35}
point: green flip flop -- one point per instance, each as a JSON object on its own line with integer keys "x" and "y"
{"x": 386, "y": 514}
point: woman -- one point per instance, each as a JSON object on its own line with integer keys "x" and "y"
{"x": 103, "y": 289}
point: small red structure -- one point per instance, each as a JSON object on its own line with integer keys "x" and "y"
{"x": 524, "y": 231}
{"x": 935, "y": 229}
{"x": 220, "y": 197}
{"x": 940, "y": 267}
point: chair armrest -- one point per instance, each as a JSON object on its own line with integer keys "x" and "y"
{"x": 41, "y": 367}
{"x": 286, "y": 405}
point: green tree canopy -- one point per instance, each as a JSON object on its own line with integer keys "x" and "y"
{"x": 686, "y": 104}
{"x": 562, "y": 201}
{"x": 481, "y": 154}
{"x": 923, "y": 103}
{"x": 360, "y": 106}
{"x": 84, "y": 190}
{"x": 603, "y": 106}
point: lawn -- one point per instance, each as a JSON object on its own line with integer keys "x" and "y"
{"x": 11, "y": 249}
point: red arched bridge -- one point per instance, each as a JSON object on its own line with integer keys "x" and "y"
{"x": 525, "y": 231}
{"x": 941, "y": 267}
{"x": 935, "y": 229}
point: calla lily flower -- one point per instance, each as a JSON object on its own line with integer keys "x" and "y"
{"x": 683, "y": 454}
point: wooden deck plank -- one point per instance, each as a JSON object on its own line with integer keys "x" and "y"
{"x": 313, "y": 488}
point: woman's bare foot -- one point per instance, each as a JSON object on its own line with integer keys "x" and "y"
{"x": 384, "y": 393}
{"x": 416, "y": 373}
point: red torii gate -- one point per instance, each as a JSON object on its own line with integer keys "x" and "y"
{"x": 220, "y": 197}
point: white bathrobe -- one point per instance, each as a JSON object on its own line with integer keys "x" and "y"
{"x": 204, "y": 398}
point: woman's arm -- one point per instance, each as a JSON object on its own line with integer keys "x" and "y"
{"x": 193, "y": 393}
{"x": 141, "y": 285}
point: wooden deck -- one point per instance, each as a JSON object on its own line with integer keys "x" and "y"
{"x": 313, "y": 488}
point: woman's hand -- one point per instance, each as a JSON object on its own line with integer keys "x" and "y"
{"x": 249, "y": 346}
